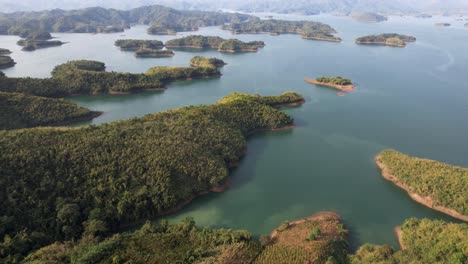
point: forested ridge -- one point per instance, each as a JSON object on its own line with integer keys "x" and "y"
{"x": 307, "y": 29}
{"x": 212, "y": 42}
{"x": 60, "y": 182}
{"x": 445, "y": 184}
{"x": 90, "y": 77}
{"x": 21, "y": 111}
{"x": 335, "y": 80}
{"x": 100, "y": 20}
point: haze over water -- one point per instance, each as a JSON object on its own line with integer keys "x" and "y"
{"x": 412, "y": 99}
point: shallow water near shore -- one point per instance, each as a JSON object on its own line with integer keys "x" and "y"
{"x": 412, "y": 99}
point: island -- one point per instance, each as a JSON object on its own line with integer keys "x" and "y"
{"x": 6, "y": 62}
{"x": 424, "y": 15}
{"x": 307, "y": 29}
{"x": 442, "y": 24}
{"x": 152, "y": 53}
{"x": 434, "y": 184}
{"x": 339, "y": 83}
{"x": 421, "y": 241}
{"x": 31, "y": 45}
{"x": 22, "y": 111}
{"x": 85, "y": 77}
{"x": 388, "y": 39}
{"x": 211, "y": 42}
{"x": 169, "y": 158}
{"x": 199, "y": 61}
{"x": 136, "y": 44}
{"x": 368, "y": 17}
{"x": 161, "y": 20}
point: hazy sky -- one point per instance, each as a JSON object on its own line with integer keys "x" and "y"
{"x": 434, "y": 6}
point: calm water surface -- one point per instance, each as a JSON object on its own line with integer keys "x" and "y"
{"x": 412, "y": 99}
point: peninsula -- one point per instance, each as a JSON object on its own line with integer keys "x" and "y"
{"x": 152, "y": 53}
{"x": 91, "y": 78}
{"x": 434, "y": 184}
{"x": 136, "y": 44}
{"x": 339, "y": 83}
{"x": 388, "y": 39}
{"x": 307, "y": 29}
{"x": 6, "y": 62}
{"x": 211, "y": 42}
{"x": 193, "y": 146}
{"x": 21, "y": 111}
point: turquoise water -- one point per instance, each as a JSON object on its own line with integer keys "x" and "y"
{"x": 412, "y": 99}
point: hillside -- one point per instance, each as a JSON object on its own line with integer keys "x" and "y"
{"x": 55, "y": 179}
{"x": 21, "y": 111}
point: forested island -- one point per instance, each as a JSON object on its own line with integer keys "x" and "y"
{"x": 6, "y": 62}
{"x": 307, "y": 29}
{"x": 211, "y": 42}
{"x": 89, "y": 77}
{"x": 199, "y": 61}
{"x": 21, "y": 111}
{"x": 152, "y": 53}
{"x": 388, "y": 39}
{"x": 37, "y": 40}
{"x": 162, "y": 20}
{"x": 4, "y": 51}
{"x": 368, "y": 17}
{"x": 136, "y": 44}
{"x": 62, "y": 183}
{"x": 340, "y": 83}
{"x": 434, "y": 184}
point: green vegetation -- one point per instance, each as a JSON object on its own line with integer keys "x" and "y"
{"x": 6, "y": 62}
{"x": 335, "y": 80}
{"x": 389, "y": 39}
{"x": 446, "y": 185}
{"x": 58, "y": 183}
{"x": 136, "y": 44}
{"x": 101, "y": 20}
{"x": 30, "y": 45}
{"x": 425, "y": 241}
{"x": 308, "y": 29}
{"x": 152, "y": 53}
{"x": 156, "y": 243}
{"x": 199, "y": 61}
{"x": 368, "y": 17}
{"x": 210, "y": 42}
{"x": 296, "y": 243}
{"x": 21, "y": 111}
{"x": 4, "y": 51}
{"x": 90, "y": 77}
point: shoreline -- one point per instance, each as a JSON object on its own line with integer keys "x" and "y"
{"x": 426, "y": 201}
{"x": 399, "y": 234}
{"x": 337, "y": 40}
{"x": 381, "y": 44}
{"x": 343, "y": 88}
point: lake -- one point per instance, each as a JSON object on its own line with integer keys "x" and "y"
{"x": 412, "y": 99}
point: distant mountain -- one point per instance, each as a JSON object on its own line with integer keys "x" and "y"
{"x": 280, "y": 6}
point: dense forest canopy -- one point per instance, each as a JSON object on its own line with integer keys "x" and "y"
{"x": 20, "y": 111}
{"x": 308, "y": 29}
{"x": 136, "y": 44}
{"x": 424, "y": 241}
{"x": 97, "y": 19}
{"x": 335, "y": 80}
{"x": 199, "y": 61}
{"x": 152, "y": 53}
{"x": 212, "y": 42}
{"x": 386, "y": 39}
{"x": 446, "y": 185}
{"x": 6, "y": 62}
{"x": 59, "y": 182}
{"x": 90, "y": 77}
